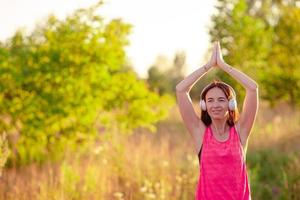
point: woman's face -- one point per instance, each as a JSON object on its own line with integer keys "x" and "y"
{"x": 216, "y": 103}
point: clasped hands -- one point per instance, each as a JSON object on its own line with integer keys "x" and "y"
{"x": 216, "y": 59}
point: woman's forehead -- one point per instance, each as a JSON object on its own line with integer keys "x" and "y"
{"x": 215, "y": 93}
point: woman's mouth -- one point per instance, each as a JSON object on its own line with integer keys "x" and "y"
{"x": 216, "y": 111}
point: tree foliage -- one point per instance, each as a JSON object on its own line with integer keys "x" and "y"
{"x": 67, "y": 79}
{"x": 282, "y": 77}
{"x": 164, "y": 74}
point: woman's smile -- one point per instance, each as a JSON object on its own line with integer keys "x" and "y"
{"x": 216, "y": 109}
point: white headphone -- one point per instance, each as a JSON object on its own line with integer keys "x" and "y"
{"x": 232, "y": 104}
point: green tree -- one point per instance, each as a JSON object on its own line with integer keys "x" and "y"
{"x": 164, "y": 74}
{"x": 282, "y": 77}
{"x": 67, "y": 79}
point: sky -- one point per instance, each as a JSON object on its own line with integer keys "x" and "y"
{"x": 160, "y": 27}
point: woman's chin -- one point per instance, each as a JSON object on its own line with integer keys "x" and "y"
{"x": 217, "y": 116}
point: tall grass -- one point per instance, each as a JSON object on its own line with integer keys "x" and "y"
{"x": 163, "y": 165}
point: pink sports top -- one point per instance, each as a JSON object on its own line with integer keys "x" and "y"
{"x": 223, "y": 173}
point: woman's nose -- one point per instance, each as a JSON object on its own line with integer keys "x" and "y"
{"x": 215, "y": 104}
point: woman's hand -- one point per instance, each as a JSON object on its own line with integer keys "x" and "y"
{"x": 213, "y": 59}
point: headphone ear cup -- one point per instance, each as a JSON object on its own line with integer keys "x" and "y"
{"x": 232, "y": 104}
{"x": 202, "y": 105}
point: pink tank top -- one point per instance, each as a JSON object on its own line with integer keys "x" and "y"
{"x": 223, "y": 173}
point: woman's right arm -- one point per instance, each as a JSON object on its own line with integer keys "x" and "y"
{"x": 188, "y": 114}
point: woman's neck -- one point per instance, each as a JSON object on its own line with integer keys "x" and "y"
{"x": 220, "y": 126}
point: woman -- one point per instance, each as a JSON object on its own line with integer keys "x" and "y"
{"x": 220, "y": 137}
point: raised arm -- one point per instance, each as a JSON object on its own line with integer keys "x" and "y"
{"x": 193, "y": 123}
{"x": 186, "y": 84}
{"x": 250, "y": 104}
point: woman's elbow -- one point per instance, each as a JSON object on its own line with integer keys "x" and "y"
{"x": 253, "y": 88}
{"x": 179, "y": 87}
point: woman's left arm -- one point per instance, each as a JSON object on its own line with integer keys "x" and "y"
{"x": 250, "y": 104}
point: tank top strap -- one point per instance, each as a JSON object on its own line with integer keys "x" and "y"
{"x": 236, "y": 134}
{"x": 207, "y": 135}
{"x": 233, "y": 132}
{"x": 205, "y": 140}
{"x": 237, "y": 140}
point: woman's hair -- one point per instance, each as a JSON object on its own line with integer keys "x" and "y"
{"x": 233, "y": 115}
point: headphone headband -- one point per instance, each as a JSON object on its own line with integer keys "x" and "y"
{"x": 231, "y": 88}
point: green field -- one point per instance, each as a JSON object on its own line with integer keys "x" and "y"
{"x": 162, "y": 165}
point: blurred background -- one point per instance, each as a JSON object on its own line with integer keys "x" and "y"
{"x": 87, "y": 95}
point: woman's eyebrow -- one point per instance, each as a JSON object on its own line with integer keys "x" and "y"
{"x": 217, "y": 98}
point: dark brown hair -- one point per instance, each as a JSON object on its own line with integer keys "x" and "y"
{"x": 233, "y": 115}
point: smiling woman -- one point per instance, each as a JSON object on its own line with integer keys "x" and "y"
{"x": 220, "y": 137}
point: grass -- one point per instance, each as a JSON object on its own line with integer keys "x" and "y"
{"x": 163, "y": 165}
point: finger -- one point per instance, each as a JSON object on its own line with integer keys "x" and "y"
{"x": 215, "y": 48}
{"x": 219, "y": 47}
{"x": 216, "y": 42}
{"x": 215, "y": 45}
{"x": 215, "y": 51}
